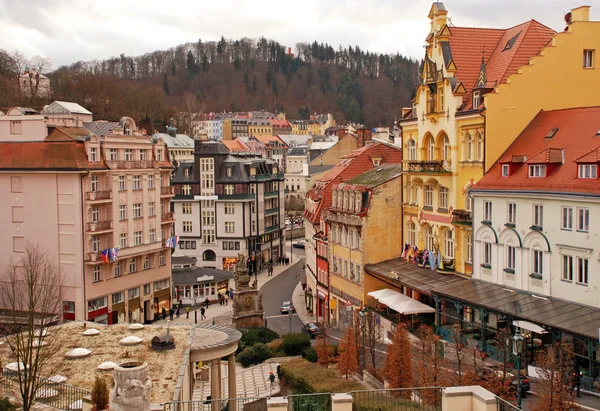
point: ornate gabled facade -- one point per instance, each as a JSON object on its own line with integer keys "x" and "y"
{"x": 443, "y": 133}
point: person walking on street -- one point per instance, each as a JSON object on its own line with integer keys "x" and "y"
{"x": 226, "y": 299}
{"x": 206, "y": 302}
{"x": 187, "y": 312}
{"x": 272, "y": 378}
{"x": 202, "y": 316}
{"x": 164, "y": 313}
{"x": 171, "y": 312}
{"x": 576, "y": 381}
{"x": 278, "y": 371}
{"x": 178, "y": 307}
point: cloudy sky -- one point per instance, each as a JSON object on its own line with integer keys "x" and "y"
{"x": 71, "y": 30}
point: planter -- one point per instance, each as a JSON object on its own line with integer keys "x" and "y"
{"x": 132, "y": 387}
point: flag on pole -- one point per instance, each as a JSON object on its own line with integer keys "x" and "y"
{"x": 105, "y": 257}
{"x": 405, "y": 252}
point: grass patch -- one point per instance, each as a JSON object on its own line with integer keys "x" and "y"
{"x": 304, "y": 377}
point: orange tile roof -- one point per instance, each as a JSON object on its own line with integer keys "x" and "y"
{"x": 39, "y": 155}
{"x": 578, "y": 131}
{"x": 234, "y": 145}
{"x": 266, "y": 139}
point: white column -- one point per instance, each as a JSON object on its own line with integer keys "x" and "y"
{"x": 214, "y": 384}
{"x": 231, "y": 381}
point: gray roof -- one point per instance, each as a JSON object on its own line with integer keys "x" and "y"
{"x": 211, "y": 147}
{"x": 179, "y": 176}
{"x": 64, "y": 107}
{"x": 101, "y": 128}
{"x": 319, "y": 169}
{"x": 179, "y": 141}
{"x": 189, "y": 277}
{"x": 297, "y": 151}
{"x": 294, "y": 139}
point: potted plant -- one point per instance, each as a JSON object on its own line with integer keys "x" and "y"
{"x": 99, "y": 395}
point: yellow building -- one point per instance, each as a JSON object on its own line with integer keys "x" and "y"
{"x": 259, "y": 128}
{"x": 300, "y": 127}
{"x": 564, "y": 75}
{"x": 444, "y": 132}
{"x": 361, "y": 232}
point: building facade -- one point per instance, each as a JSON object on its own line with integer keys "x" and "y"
{"x": 294, "y": 174}
{"x": 180, "y": 146}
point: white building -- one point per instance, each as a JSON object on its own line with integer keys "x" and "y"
{"x": 181, "y": 147}
{"x": 295, "y": 180}
{"x": 213, "y": 129}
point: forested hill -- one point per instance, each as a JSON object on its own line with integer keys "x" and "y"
{"x": 246, "y": 74}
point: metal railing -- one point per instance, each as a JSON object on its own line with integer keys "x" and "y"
{"x": 398, "y": 399}
{"x": 229, "y": 404}
{"x": 57, "y": 395}
{"x": 98, "y": 195}
{"x": 309, "y": 402}
{"x": 503, "y": 405}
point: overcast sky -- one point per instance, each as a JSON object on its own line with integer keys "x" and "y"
{"x": 67, "y": 31}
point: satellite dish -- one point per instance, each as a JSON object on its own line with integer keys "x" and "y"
{"x": 568, "y": 19}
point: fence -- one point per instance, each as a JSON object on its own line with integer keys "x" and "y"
{"x": 229, "y": 404}
{"x": 57, "y": 395}
{"x": 502, "y": 405}
{"x": 309, "y": 402}
{"x": 398, "y": 399}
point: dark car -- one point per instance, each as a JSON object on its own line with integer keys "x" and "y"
{"x": 312, "y": 330}
{"x": 287, "y": 307}
{"x": 298, "y": 245}
{"x": 510, "y": 380}
{"x": 525, "y": 387}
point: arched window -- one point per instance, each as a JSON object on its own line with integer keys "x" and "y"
{"x": 443, "y": 200}
{"x": 429, "y": 241}
{"x": 446, "y": 149}
{"x": 416, "y": 195}
{"x": 468, "y": 146}
{"x": 430, "y": 149}
{"x": 479, "y": 146}
{"x": 448, "y": 244}
{"x": 469, "y": 250}
{"x": 411, "y": 231}
{"x": 428, "y": 196}
{"x": 411, "y": 149}
{"x": 209, "y": 255}
{"x": 127, "y": 129}
{"x": 408, "y": 195}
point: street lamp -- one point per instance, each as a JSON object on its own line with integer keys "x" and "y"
{"x": 363, "y": 316}
{"x": 517, "y": 350}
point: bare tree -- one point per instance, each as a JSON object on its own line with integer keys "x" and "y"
{"x": 37, "y": 66}
{"x": 19, "y": 62}
{"x": 30, "y": 306}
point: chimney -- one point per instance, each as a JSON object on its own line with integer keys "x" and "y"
{"x": 364, "y": 136}
{"x": 581, "y": 13}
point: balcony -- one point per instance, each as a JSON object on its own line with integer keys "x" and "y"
{"x": 272, "y": 211}
{"x": 167, "y": 191}
{"x": 127, "y": 165}
{"x": 100, "y": 226}
{"x": 437, "y": 166}
{"x": 462, "y": 217}
{"x": 94, "y": 257}
{"x": 272, "y": 228}
{"x": 271, "y": 194}
{"x": 98, "y": 195}
{"x": 236, "y": 196}
{"x": 166, "y": 218}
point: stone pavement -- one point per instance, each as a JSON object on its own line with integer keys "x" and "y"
{"x": 300, "y": 305}
{"x": 250, "y": 382}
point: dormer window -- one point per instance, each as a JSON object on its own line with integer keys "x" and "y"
{"x": 376, "y": 161}
{"x": 252, "y": 171}
{"x": 93, "y": 155}
{"x": 476, "y": 98}
{"x": 229, "y": 172}
{"x": 505, "y": 170}
{"x": 537, "y": 171}
{"x": 186, "y": 172}
{"x": 127, "y": 129}
{"x": 588, "y": 171}
{"x": 274, "y": 169}
{"x": 159, "y": 155}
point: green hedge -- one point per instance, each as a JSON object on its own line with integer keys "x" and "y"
{"x": 310, "y": 354}
{"x": 256, "y": 354}
{"x": 295, "y": 343}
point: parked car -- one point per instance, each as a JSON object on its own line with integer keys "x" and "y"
{"x": 312, "y": 330}
{"x": 299, "y": 244}
{"x": 287, "y": 307}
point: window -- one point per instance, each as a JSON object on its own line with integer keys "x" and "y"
{"x": 123, "y": 241}
{"x": 582, "y": 270}
{"x": 186, "y": 208}
{"x": 511, "y": 253}
{"x": 412, "y": 149}
{"x": 346, "y": 269}
{"x": 357, "y": 273}
{"x": 229, "y": 227}
{"x": 118, "y": 297}
{"x": 95, "y": 214}
{"x": 412, "y": 233}
{"x": 16, "y": 127}
{"x": 537, "y": 171}
{"x": 151, "y": 208}
{"x": 538, "y": 215}
{"x": 229, "y": 171}
{"x": 97, "y": 274}
{"x": 487, "y": 210}
{"x": 567, "y": 268}
{"x": 446, "y": 149}
{"x": 351, "y": 235}
{"x": 186, "y": 189}
{"x": 228, "y": 189}
{"x": 208, "y": 236}
{"x": 469, "y": 249}
{"x": 146, "y": 289}
{"x": 476, "y": 99}
{"x": 142, "y": 155}
{"x": 133, "y": 293}
{"x": 69, "y": 306}
{"x": 468, "y": 203}
{"x": 588, "y": 58}
{"x": 93, "y": 154}
{"x": 117, "y": 270}
{"x": 95, "y": 243}
{"x": 428, "y": 196}
{"x": 137, "y": 237}
{"x": 137, "y": 210}
{"x": 229, "y": 208}
{"x": 583, "y": 219}
{"x": 152, "y": 235}
{"x": 137, "y": 182}
{"x": 487, "y": 254}
{"x": 430, "y": 149}
{"x": 441, "y": 99}
{"x": 468, "y": 155}
{"x": 187, "y": 226}
{"x": 150, "y": 181}
{"x": 429, "y": 240}
{"x": 97, "y": 303}
{"x": 448, "y": 244}
{"x": 512, "y": 213}
{"x": 479, "y": 146}
{"x": 161, "y": 285}
{"x": 122, "y": 212}
{"x": 443, "y": 197}
{"x": 344, "y": 236}
{"x": 161, "y": 258}
{"x": 357, "y": 240}
{"x": 128, "y": 154}
{"x": 588, "y": 171}
{"x": 122, "y": 183}
{"x": 505, "y": 170}
{"x": 132, "y": 266}
{"x": 567, "y": 218}
{"x": 113, "y": 154}
{"x": 538, "y": 263}
{"x": 94, "y": 183}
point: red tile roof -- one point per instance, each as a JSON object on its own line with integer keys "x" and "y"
{"x": 234, "y": 145}
{"x": 279, "y": 123}
{"x": 577, "y": 137}
{"x": 39, "y": 155}
{"x": 351, "y": 165}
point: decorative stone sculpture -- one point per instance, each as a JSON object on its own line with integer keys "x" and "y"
{"x": 247, "y": 302}
{"x": 132, "y": 387}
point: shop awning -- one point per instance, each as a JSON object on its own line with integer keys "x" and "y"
{"x": 526, "y": 325}
{"x": 558, "y": 314}
{"x": 404, "y": 304}
{"x": 386, "y": 292}
{"x": 395, "y": 301}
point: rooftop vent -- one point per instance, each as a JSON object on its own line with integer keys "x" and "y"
{"x": 551, "y": 133}
{"x": 598, "y": 133}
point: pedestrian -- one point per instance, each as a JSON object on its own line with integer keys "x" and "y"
{"x": 206, "y": 302}
{"x": 202, "y": 316}
{"x": 164, "y": 313}
{"x": 576, "y": 380}
{"x": 226, "y": 299}
{"x": 171, "y": 312}
{"x": 178, "y": 307}
{"x": 187, "y": 312}
{"x": 220, "y": 298}
{"x": 278, "y": 371}
{"x": 271, "y": 378}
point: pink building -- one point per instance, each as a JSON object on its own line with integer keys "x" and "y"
{"x": 101, "y": 206}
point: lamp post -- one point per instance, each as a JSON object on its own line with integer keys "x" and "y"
{"x": 363, "y": 316}
{"x": 517, "y": 350}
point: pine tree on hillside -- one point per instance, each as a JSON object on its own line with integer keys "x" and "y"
{"x": 165, "y": 84}
{"x": 398, "y": 366}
